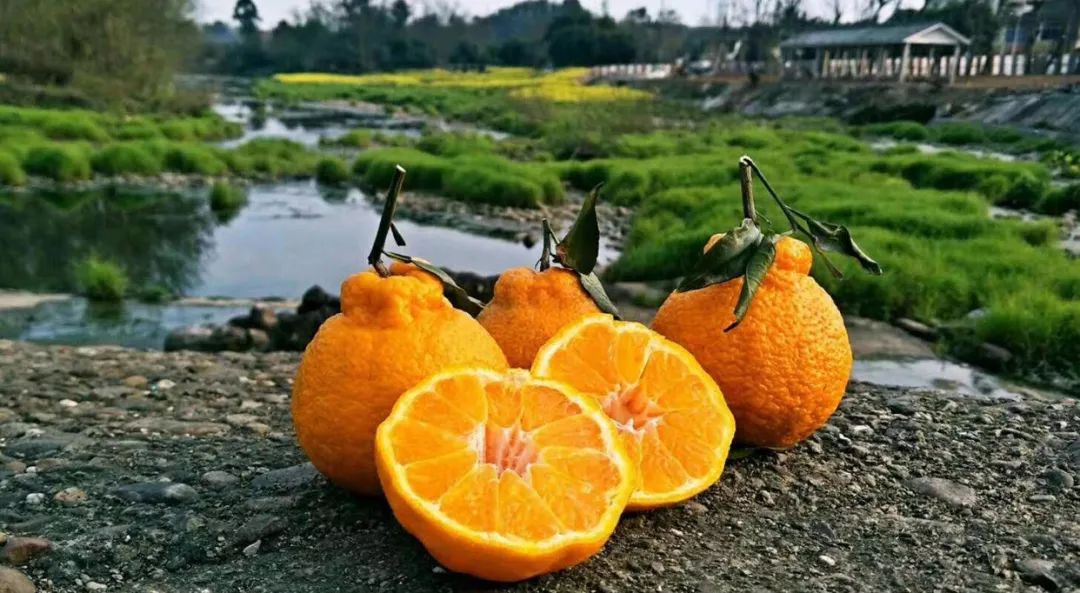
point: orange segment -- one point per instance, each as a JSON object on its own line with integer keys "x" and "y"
{"x": 503, "y": 476}
{"x": 669, "y": 411}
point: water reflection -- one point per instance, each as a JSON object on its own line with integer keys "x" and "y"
{"x": 158, "y": 239}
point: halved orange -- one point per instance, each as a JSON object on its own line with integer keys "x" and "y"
{"x": 669, "y": 411}
{"x": 503, "y": 476}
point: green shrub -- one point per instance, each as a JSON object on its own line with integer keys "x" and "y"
{"x": 1004, "y": 135}
{"x": 358, "y": 138}
{"x": 225, "y": 197}
{"x": 901, "y": 130}
{"x": 137, "y": 130}
{"x": 332, "y": 171}
{"x": 100, "y": 279}
{"x": 11, "y": 172}
{"x": 1025, "y": 191}
{"x": 1060, "y": 200}
{"x": 59, "y": 162}
{"x": 959, "y": 133}
{"x": 193, "y": 159}
{"x": 126, "y": 159}
{"x": 74, "y": 128}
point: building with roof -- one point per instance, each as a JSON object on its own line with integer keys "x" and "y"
{"x": 902, "y": 52}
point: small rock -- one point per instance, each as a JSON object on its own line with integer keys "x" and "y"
{"x": 1042, "y": 498}
{"x": 1038, "y": 572}
{"x": 993, "y": 355}
{"x": 258, "y": 528}
{"x": 1058, "y": 480}
{"x": 95, "y": 586}
{"x": 219, "y": 480}
{"x": 156, "y": 492}
{"x": 438, "y": 570}
{"x": 258, "y": 340}
{"x": 241, "y": 419}
{"x": 291, "y": 478}
{"x": 70, "y": 496}
{"x": 68, "y": 403}
{"x": 35, "y": 498}
{"x": 917, "y": 329}
{"x": 20, "y": 550}
{"x": 827, "y": 560}
{"x": 658, "y": 567}
{"x": 136, "y": 381}
{"x": 944, "y": 490}
{"x": 253, "y": 549}
{"x": 197, "y": 338}
{"x": 696, "y": 507}
{"x": 13, "y": 581}
{"x": 164, "y": 385}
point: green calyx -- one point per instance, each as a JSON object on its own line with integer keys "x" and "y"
{"x": 454, "y": 293}
{"x": 748, "y": 252}
{"x": 578, "y": 251}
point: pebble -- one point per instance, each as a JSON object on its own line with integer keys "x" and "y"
{"x": 35, "y": 498}
{"x": 156, "y": 492}
{"x": 828, "y": 560}
{"x": 696, "y": 507}
{"x": 13, "y": 581}
{"x": 258, "y": 528}
{"x": 944, "y": 490}
{"x": 70, "y": 496}
{"x": 1058, "y": 480}
{"x": 68, "y": 403}
{"x": 164, "y": 385}
{"x": 290, "y": 478}
{"x": 219, "y": 480}
{"x": 1038, "y": 572}
{"x": 20, "y": 550}
{"x": 252, "y": 549}
{"x": 1042, "y": 498}
{"x": 136, "y": 381}
{"x": 95, "y": 586}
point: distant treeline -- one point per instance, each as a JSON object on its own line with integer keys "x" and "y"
{"x": 357, "y": 36}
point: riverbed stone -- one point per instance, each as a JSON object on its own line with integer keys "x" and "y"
{"x": 156, "y": 492}
{"x": 947, "y": 491}
{"x": 13, "y": 581}
{"x": 198, "y": 338}
{"x": 18, "y": 551}
{"x": 287, "y": 479}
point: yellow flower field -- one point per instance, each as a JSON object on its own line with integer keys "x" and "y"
{"x": 562, "y": 86}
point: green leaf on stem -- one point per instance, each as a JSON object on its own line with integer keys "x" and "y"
{"x": 595, "y": 289}
{"x": 455, "y": 293}
{"x": 757, "y": 266}
{"x": 580, "y": 247}
{"x": 726, "y": 260}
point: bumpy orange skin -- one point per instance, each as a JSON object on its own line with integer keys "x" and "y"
{"x": 530, "y": 307}
{"x": 783, "y": 370}
{"x": 392, "y": 333}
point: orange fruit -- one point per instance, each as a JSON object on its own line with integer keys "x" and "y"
{"x": 669, "y": 412}
{"x": 392, "y": 333}
{"x": 528, "y": 307}
{"x": 503, "y": 476}
{"x": 784, "y": 369}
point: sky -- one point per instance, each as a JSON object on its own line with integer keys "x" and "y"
{"x": 692, "y": 12}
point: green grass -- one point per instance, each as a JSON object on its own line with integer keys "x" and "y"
{"x": 129, "y": 158}
{"x": 11, "y": 172}
{"x": 488, "y": 179}
{"x": 332, "y": 171}
{"x": 227, "y": 198}
{"x": 1058, "y": 201}
{"x": 101, "y": 280}
{"x": 59, "y": 162}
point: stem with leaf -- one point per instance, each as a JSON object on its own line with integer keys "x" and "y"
{"x": 386, "y": 223}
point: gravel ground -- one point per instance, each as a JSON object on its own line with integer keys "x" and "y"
{"x": 145, "y": 471}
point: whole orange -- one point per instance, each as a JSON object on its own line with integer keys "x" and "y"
{"x": 784, "y": 369}
{"x": 530, "y": 307}
{"x": 392, "y": 333}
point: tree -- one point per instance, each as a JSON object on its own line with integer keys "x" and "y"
{"x": 247, "y": 15}
{"x": 400, "y": 12}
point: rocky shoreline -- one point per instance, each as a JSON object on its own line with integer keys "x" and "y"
{"x": 173, "y": 472}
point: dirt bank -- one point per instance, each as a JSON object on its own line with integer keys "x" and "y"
{"x": 148, "y": 471}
